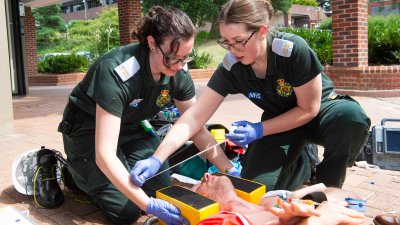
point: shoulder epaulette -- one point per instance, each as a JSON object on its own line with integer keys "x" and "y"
{"x": 229, "y": 61}
{"x": 185, "y": 67}
{"x": 282, "y": 47}
{"x": 127, "y": 69}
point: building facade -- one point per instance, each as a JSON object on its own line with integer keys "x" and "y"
{"x": 384, "y": 8}
{"x": 6, "y": 113}
{"x": 84, "y": 9}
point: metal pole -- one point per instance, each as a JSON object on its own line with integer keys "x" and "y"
{"x": 84, "y": 6}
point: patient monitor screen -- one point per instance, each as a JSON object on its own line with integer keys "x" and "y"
{"x": 393, "y": 141}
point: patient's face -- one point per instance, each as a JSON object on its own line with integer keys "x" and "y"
{"x": 218, "y": 188}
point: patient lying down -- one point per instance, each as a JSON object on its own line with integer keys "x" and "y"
{"x": 238, "y": 211}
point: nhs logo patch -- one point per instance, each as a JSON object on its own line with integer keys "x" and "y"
{"x": 254, "y": 95}
{"x": 135, "y": 103}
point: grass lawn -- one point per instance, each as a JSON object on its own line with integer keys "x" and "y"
{"x": 215, "y": 50}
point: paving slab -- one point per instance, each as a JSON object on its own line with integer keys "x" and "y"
{"x": 36, "y": 117}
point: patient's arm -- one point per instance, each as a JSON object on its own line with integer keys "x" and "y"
{"x": 329, "y": 213}
{"x": 336, "y": 194}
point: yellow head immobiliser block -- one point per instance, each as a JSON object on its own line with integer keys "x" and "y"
{"x": 248, "y": 190}
{"x": 194, "y": 207}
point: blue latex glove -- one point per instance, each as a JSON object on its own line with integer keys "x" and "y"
{"x": 165, "y": 211}
{"x": 233, "y": 172}
{"x": 245, "y": 132}
{"x": 144, "y": 169}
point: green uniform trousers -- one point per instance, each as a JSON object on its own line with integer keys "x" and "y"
{"x": 280, "y": 162}
{"x": 132, "y": 146}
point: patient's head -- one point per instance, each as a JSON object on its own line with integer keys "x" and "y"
{"x": 218, "y": 188}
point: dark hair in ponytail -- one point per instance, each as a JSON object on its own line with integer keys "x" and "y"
{"x": 162, "y": 22}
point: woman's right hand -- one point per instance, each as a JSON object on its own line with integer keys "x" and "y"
{"x": 145, "y": 169}
{"x": 165, "y": 211}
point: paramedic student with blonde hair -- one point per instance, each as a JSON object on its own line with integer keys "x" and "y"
{"x": 281, "y": 74}
{"x": 102, "y": 136}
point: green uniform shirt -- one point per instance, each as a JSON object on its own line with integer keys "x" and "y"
{"x": 122, "y": 84}
{"x": 291, "y": 63}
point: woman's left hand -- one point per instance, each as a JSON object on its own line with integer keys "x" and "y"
{"x": 245, "y": 132}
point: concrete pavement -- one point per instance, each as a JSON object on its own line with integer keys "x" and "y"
{"x": 36, "y": 117}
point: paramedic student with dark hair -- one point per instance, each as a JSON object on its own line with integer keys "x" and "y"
{"x": 281, "y": 74}
{"x": 102, "y": 136}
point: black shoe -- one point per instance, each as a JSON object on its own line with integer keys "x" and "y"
{"x": 47, "y": 191}
{"x": 312, "y": 152}
{"x": 387, "y": 219}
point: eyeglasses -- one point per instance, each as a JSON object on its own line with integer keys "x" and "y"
{"x": 238, "y": 46}
{"x": 170, "y": 59}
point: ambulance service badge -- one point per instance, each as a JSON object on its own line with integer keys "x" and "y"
{"x": 284, "y": 89}
{"x": 163, "y": 99}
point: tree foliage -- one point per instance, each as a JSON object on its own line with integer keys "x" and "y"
{"x": 282, "y": 5}
{"x": 325, "y": 4}
{"x": 199, "y": 11}
{"x": 106, "y": 32}
{"x": 48, "y": 22}
{"x": 98, "y": 35}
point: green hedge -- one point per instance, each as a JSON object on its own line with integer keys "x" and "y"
{"x": 384, "y": 40}
{"x": 64, "y": 64}
{"x": 319, "y": 40}
{"x": 77, "y": 63}
{"x": 325, "y": 24}
{"x": 201, "y": 61}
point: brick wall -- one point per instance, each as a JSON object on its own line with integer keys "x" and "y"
{"x": 371, "y": 81}
{"x": 31, "y": 68}
{"x": 74, "y": 78}
{"x": 350, "y": 32}
{"x": 201, "y": 73}
{"x": 55, "y": 79}
{"x": 129, "y": 12}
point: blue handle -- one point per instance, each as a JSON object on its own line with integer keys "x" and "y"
{"x": 355, "y": 204}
